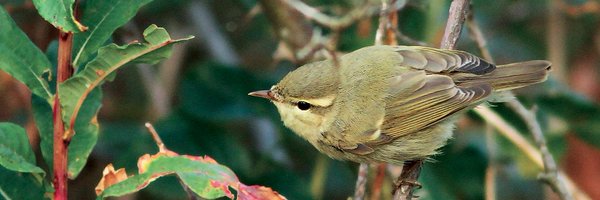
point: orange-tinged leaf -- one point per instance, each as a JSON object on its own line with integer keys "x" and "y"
{"x": 146, "y": 159}
{"x": 201, "y": 174}
{"x": 110, "y": 177}
{"x": 257, "y": 192}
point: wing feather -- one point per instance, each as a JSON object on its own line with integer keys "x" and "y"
{"x": 438, "y": 60}
{"x": 438, "y": 99}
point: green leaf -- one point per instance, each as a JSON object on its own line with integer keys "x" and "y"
{"x": 203, "y": 175}
{"x": 42, "y": 114}
{"x": 103, "y": 17}
{"x": 59, "y": 13}
{"x": 20, "y": 58}
{"x": 15, "y": 151}
{"x": 75, "y": 90}
{"x": 16, "y": 185}
{"x": 87, "y": 130}
{"x": 86, "y": 127}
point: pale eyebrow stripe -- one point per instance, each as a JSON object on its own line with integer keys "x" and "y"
{"x": 322, "y": 102}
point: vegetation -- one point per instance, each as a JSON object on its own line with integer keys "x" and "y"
{"x": 80, "y": 79}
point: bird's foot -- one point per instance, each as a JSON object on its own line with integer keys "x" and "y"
{"x": 403, "y": 185}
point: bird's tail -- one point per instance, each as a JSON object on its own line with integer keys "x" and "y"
{"x": 509, "y": 76}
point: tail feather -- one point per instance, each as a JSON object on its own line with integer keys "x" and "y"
{"x": 509, "y": 76}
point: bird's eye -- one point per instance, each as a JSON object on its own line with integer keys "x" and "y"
{"x": 303, "y": 105}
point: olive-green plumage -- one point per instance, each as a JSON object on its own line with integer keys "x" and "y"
{"x": 391, "y": 103}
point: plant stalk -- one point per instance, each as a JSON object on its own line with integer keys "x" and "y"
{"x": 64, "y": 71}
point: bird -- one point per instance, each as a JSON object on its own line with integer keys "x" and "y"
{"x": 391, "y": 104}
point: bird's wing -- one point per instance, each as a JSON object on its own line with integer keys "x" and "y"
{"x": 427, "y": 95}
{"x": 443, "y": 61}
{"x": 409, "y": 110}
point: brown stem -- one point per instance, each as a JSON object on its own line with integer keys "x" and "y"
{"x": 456, "y": 18}
{"x": 159, "y": 142}
{"x": 60, "y": 136}
{"x": 388, "y": 24}
{"x": 378, "y": 181}
{"x": 65, "y": 70}
{"x": 390, "y": 34}
{"x": 407, "y": 182}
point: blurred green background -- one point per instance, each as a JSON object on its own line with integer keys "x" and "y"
{"x": 197, "y": 99}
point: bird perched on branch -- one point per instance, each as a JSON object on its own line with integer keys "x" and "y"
{"x": 391, "y": 103}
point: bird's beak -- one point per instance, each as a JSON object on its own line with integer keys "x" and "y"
{"x": 263, "y": 94}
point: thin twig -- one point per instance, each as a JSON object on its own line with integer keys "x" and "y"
{"x": 550, "y": 174}
{"x": 407, "y": 182}
{"x": 388, "y": 23}
{"x": 410, "y": 40}
{"x": 456, "y": 18}
{"x": 378, "y": 181}
{"x": 510, "y": 133}
{"x": 163, "y": 149}
{"x": 522, "y": 144}
{"x": 157, "y": 140}
{"x": 477, "y": 35}
{"x": 361, "y": 181}
{"x": 335, "y": 23}
{"x": 383, "y": 24}
{"x": 492, "y": 168}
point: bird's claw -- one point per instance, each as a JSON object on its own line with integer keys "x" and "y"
{"x": 410, "y": 183}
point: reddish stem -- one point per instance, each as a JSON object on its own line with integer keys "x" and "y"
{"x": 65, "y": 70}
{"x": 378, "y": 182}
{"x": 390, "y": 33}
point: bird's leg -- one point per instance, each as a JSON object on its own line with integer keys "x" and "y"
{"x": 407, "y": 181}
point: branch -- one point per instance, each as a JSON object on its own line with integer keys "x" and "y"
{"x": 492, "y": 168}
{"x": 456, "y": 18}
{"x": 529, "y": 150}
{"x": 61, "y": 138}
{"x": 361, "y": 181}
{"x": 378, "y": 181}
{"x": 550, "y": 175}
{"x": 407, "y": 182}
{"x": 163, "y": 149}
{"x": 411, "y": 170}
{"x": 335, "y": 23}
{"x": 388, "y": 24}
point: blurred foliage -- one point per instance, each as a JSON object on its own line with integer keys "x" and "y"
{"x": 212, "y": 115}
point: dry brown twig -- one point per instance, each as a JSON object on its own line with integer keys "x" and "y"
{"x": 550, "y": 175}
{"x": 162, "y": 148}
